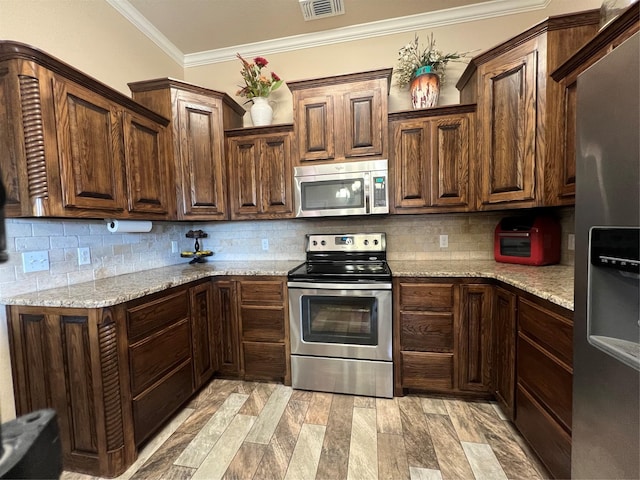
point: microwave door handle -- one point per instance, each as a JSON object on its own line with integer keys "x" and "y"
{"x": 367, "y": 193}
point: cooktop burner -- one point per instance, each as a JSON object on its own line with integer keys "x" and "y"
{"x": 344, "y": 256}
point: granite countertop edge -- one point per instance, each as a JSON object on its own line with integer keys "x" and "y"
{"x": 553, "y": 283}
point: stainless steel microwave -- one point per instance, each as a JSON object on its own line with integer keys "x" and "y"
{"x": 350, "y": 188}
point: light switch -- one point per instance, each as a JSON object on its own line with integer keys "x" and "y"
{"x": 35, "y": 261}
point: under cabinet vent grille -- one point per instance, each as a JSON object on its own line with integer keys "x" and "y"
{"x": 313, "y": 9}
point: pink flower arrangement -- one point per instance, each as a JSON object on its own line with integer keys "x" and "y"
{"x": 257, "y": 84}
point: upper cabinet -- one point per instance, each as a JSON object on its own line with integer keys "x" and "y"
{"x": 260, "y": 172}
{"x": 73, "y": 147}
{"x": 616, "y": 32}
{"x": 196, "y": 148}
{"x": 429, "y": 159}
{"x": 341, "y": 118}
{"x": 520, "y": 109}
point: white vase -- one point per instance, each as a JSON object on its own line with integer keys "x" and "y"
{"x": 261, "y": 111}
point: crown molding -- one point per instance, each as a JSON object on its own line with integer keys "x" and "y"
{"x": 450, "y": 16}
{"x": 139, "y": 21}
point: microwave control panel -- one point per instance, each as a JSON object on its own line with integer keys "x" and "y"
{"x": 379, "y": 191}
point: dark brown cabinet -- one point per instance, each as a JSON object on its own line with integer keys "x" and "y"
{"x": 341, "y": 118}
{"x": 263, "y": 315}
{"x": 253, "y": 324}
{"x": 196, "y": 146}
{"x": 226, "y": 325}
{"x": 74, "y": 147}
{"x": 474, "y": 338}
{"x": 114, "y": 375}
{"x": 75, "y": 361}
{"x": 520, "y": 109}
{"x": 260, "y": 172}
{"x": 562, "y": 178}
{"x": 203, "y": 335}
{"x": 544, "y": 382}
{"x": 425, "y": 322}
{"x": 504, "y": 349}
{"x": 429, "y": 155}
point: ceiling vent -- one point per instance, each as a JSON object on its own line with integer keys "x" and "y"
{"x": 314, "y": 9}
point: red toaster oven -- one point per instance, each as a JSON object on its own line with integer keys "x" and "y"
{"x": 527, "y": 240}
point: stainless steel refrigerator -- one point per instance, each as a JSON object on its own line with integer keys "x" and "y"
{"x": 606, "y": 410}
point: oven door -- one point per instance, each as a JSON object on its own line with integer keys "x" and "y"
{"x": 343, "y": 320}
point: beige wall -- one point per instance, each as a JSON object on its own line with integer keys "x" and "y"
{"x": 381, "y": 52}
{"x": 90, "y": 35}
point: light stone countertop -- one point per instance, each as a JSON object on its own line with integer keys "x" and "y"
{"x": 553, "y": 283}
{"x": 122, "y": 288}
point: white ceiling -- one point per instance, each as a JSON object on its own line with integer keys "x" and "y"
{"x": 196, "y": 32}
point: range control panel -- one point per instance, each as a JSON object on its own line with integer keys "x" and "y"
{"x": 346, "y": 242}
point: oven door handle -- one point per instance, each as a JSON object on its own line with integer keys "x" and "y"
{"x": 341, "y": 286}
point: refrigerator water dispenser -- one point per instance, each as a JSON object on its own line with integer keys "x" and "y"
{"x": 613, "y": 313}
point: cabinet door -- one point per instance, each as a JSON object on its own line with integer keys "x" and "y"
{"x": 315, "y": 126}
{"x": 411, "y": 148}
{"x": 276, "y": 176}
{"x": 450, "y": 146}
{"x": 226, "y": 327}
{"x": 90, "y": 148}
{"x": 363, "y": 119}
{"x": 205, "y": 361}
{"x": 201, "y": 167}
{"x": 146, "y": 166}
{"x": 244, "y": 170}
{"x": 474, "y": 338}
{"x": 504, "y": 337}
{"x": 508, "y": 126}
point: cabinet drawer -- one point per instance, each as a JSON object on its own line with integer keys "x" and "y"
{"x": 265, "y": 291}
{"x": 427, "y": 371}
{"x": 264, "y": 324}
{"x": 552, "y": 331}
{"x": 265, "y": 361}
{"x": 546, "y": 378}
{"x": 149, "y": 317}
{"x": 153, "y": 357}
{"x": 425, "y": 296}
{"x": 426, "y": 332}
{"x": 549, "y": 440}
{"x": 158, "y": 403}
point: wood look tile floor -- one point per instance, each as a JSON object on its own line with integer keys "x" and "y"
{"x": 263, "y": 431}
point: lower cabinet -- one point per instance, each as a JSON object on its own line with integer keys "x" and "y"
{"x": 113, "y": 374}
{"x": 504, "y": 350}
{"x": 544, "y": 382}
{"x": 444, "y": 341}
{"x": 252, "y": 318}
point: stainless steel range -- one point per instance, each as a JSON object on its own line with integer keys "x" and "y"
{"x": 340, "y": 308}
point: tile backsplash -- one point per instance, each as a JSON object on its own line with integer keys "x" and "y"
{"x": 409, "y": 237}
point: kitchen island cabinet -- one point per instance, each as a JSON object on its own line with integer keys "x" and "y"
{"x": 260, "y": 172}
{"x": 196, "y": 146}
{"x": 74, "y": 147}
{"x": 520, "y": 109}
{"x": 429, "y": 158}
{"x": 341, "y": 118}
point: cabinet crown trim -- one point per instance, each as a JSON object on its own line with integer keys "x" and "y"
{"x": 384, "y": 73}
{"x": 11, "y": 50}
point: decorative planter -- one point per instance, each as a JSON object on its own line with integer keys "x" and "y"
{"x": 425, "y": 88}
{"x": 261, "y": 112}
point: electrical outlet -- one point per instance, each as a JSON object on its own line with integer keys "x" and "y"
{"x": 571, "y": 241}
{"x": 84, "y": 256}
{"x": 35, "y": 261}
{"x": 265, "y": 244}
{"x": 174, "y": 246}
{"x": 444, "y": 241}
